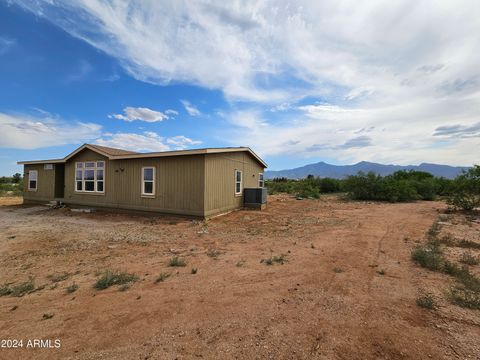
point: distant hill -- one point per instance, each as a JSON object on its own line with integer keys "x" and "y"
{"x": 322, "y": 169}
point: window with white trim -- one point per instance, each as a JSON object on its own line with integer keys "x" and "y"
{"x": 89, "y": 176}
{"x": 32, "y": 180}
{"x": 148, "y": 181}
{"x": 238, "y": 182}
{"x": 261, "y": 182}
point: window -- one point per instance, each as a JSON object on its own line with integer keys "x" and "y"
{"x": 48, "y": 167}
{"x": 32, "y": 180}
{"x": 238, "y": 182}
{"x": 89, "y": 176}
{"x": 148, "y": 181}
{"x": 261, "y": 183}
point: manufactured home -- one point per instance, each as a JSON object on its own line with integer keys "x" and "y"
{"x": 201, "y": 182}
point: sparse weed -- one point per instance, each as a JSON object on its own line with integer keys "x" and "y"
{"x": 426, "y": 301}
{"x": 110, "y": 278}
{"x": 213, "y": 253}
{"x": 337, "y": 270}
{"x": 381, "y": 272}
{"x": 47, "y": 316}
{"x": 177, "y": 262}
{"x": 469, "y": 259}
{"x": 124, "y": 287}
{"x": 277, "y": 259}
{"x": 240, "y": 263}
{"x": 465, "y": 298}
{"x": 194, "y": 271}
{"x": 468, "y": 244}
{"x": 26, "y": 287}
{"x": 58, "y": 277}
{"x": 428, "y": 257}
{"x": 434, "y": 230}
{"x": 162, "y": 277}
{"x": 71, "y": 288}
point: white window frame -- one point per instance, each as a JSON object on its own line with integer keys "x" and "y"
{"x": 95, "y": 169}
{"x": 30, "y": 172}
{"x": 238, "y": 193}
{"x": 153, "y": 181}
{"x": 261, "y": 181}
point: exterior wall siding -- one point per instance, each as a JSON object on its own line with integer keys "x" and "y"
{"x": 220, "y": 180}
{"x": 179, "y": 185}
{"x": 45, "y": 184}
{"x": 201, "y": 185}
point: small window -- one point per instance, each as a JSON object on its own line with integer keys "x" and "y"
{"x": 79, "y": 179}
{"x": 238, "y": 182}
{"x": 148, "y": 181}
{"x": 89, "y": 164}
{"x": 48, "y": 167}
{"x": 261, "y": 183}
{"x": 32, "y": 180}
{"x": 79, "y": 165}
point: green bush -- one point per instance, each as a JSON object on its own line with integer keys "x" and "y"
{"x": 465, "y": 190}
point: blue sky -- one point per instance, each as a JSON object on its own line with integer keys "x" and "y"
{"x": 297, "y": 81}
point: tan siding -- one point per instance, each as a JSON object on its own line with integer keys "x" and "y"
{"x": 45, "y": 184}
{"x": 220, "y": 180}
{"x": 178, "y": 186}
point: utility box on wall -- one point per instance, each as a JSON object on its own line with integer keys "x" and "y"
{"x": 255, "y": 197}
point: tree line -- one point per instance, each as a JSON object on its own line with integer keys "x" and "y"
{"x": 463, "y": 192}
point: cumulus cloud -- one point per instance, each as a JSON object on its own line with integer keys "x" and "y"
{"x": 148, "y": 141}
{"x": 191, "y": 109}
{"x": 27, "y": 132}
{"x": 142, "y": 114}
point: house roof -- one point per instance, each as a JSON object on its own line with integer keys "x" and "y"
{"x": 120, "y": 154}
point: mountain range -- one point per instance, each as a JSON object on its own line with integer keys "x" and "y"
{"x": 322, "y": 169}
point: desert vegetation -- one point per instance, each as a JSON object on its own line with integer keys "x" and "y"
{"x": 11, "y": 185}
{"x": 461, "y": 193}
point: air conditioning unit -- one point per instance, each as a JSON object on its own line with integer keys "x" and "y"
{"x": 255, "y": 197}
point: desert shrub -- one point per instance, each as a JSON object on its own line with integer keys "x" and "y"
{"x": 426, "y": 301}
{"x": 176, "y": 261}
{"x": 465, "y": 298}
{"x": 162, "y": 277}
{"x": 329, "y": 185}
{"x": 465, "y": 193}
{"x": 213, "y": 253}
{"x": 428, "y": 257}
{"x": 467, "y": 244}
{"x": 71, "y": 288}
{"x": 401, "y": 186}
{"x": 469, "y": 259}
{"x": 278, "y": 259}
{"x": 58, "y": 277}
{"x": 19, "y": 290}
{"x": 110, "y": 278}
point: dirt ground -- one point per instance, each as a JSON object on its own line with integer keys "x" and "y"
{"x": 347, "y": 290}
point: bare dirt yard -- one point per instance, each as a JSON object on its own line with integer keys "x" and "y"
{"x": 321, "y": 279}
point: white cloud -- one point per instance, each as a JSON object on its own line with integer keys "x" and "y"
{"x": 83, "y": 68}
{"x": 5, "y": 44}
{"x": 171, "y": 112}
{"x": 148, "y": 141}
{"x": 402, "y": 68}
{"x": 27, "y": 132}
{"x": 142, "y": 114}
{"x": 191, "y": 109}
